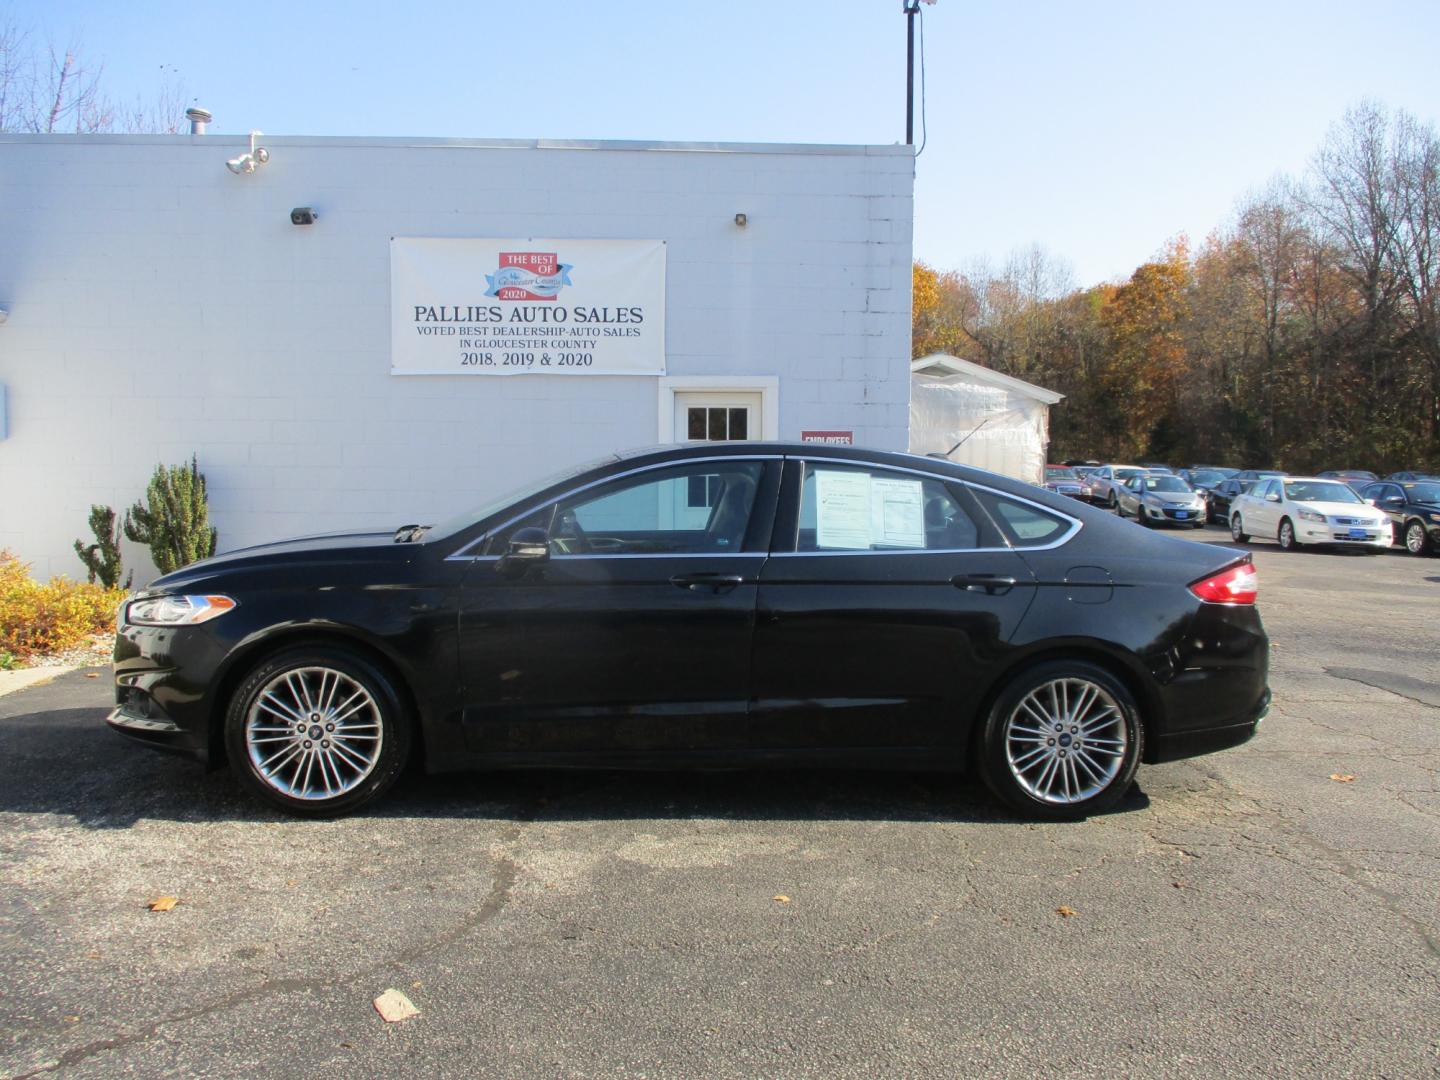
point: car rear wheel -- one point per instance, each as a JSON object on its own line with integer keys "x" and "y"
{"x": 1062, "y": 740}
{"x": 1417, "y": 538}
{"x": 1286, "y": 536}
{"x": 1237, "y": 530}
{"x": 317, "y": 731}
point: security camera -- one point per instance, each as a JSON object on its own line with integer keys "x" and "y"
{"x": 302, "y": 215}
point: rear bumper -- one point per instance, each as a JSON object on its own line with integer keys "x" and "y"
{"x": 1176, "y": 746}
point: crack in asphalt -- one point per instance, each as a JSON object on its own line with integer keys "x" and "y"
{"x": 1405, "y": 686}
{"x": 506, "y": 871}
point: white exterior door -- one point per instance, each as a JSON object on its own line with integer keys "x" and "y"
{"x": 711, "y": 416}
{"x": 718, "y": 416}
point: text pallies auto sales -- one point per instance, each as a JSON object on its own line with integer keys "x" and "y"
{"x": 529, "y": 314}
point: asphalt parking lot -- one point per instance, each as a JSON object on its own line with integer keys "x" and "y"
{"x": 1243, "y": 914}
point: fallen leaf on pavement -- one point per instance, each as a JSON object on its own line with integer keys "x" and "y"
{"x": 781, "y": 899}
{"x": 164, "y": 903}
{"x": 1342, "y": 778}
{"x": 92, "y": 674}
{"x": 393, "y": 1006}
{"x": 1065, "y": 912}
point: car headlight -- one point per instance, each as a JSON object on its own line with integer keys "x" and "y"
{"x": 1310, "y": 515}
{"x": 177, "y": 610}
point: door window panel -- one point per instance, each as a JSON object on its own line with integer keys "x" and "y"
{"x": 852, "y": 508}
{"x": 688, "y": 509}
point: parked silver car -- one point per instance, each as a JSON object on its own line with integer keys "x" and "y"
{"x": 1161, "y": 499}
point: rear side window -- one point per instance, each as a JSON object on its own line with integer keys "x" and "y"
{"x": 854, "y": 508}
{"x": 1024, "y": 524}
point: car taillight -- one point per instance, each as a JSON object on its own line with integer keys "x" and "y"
{"x": 1236, "y": 585}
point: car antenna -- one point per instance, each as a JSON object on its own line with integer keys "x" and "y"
{"x": 946, "y": 456}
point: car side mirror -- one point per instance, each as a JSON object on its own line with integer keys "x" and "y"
{"x": 528, "y": 546}
{"x": 1272, "y": 497}
{"x": 1393, "y": 500}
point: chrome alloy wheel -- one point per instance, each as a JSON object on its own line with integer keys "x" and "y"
{"x": 1066, "y": 741}
{"x": 1415, "y": 538}
{"x": 313, "y": 733}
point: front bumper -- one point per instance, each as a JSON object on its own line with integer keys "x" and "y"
{"x": 1173, "y": 515}
{"x": 163, "y": 681}
{"x": 1344, "y": 535}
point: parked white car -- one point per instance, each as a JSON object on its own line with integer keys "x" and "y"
{"x": 1299, "y": 511}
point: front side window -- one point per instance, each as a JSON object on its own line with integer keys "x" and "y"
{"x": 654, "y": 513}
{"x": 855, "y": 508}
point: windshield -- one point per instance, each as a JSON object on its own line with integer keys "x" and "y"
{"x": 1061, "y": 474}
{"x": 1320, "y": 491}
{"x": 1126, "y": 474}
{"x": 1206, "y": 476}
{"x": 1168, "y": 483}
{"x": 1423, "y": 492}
{"x": 519, "y": 494}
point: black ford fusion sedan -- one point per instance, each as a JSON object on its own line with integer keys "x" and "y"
{"x": 711, "y": 605}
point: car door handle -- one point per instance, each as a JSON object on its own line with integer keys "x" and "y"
{"x": 990, "y": 584}
{"x": 715, "y": 583}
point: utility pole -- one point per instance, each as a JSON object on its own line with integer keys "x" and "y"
{"x": 911, "y": 9}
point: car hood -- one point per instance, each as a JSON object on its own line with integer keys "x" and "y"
{"x": 319, "y": 547}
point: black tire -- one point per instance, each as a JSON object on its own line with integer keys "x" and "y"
{"x": 1004, "y": 736}
{"x": 1199, "y": 524}
{"x": 380, "y": 716}
{"x": 1286, "y": 536}
{"x": 1237, "y": 530}
{"x": 1417, "y": 538}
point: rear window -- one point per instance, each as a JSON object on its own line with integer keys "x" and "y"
{"x": 1024, "y": 524}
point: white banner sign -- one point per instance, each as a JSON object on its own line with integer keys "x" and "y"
{"x": 527, "y": 307}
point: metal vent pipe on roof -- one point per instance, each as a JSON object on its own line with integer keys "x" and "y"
{"x": 198, "y": 118}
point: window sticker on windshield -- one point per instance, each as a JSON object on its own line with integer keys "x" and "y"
{"x": 897, "y": 513}
{"x": 842, "y": 509}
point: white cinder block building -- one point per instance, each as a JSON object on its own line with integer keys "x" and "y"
{"x": 350, "y": 372}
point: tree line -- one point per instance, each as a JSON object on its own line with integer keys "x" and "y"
{"x": 1303, "y": 334}
{"x": 46, "y": 88}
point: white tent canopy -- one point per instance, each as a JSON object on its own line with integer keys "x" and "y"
{"x": 1002, "y": 423}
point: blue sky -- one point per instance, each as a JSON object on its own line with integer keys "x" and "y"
{"x": 1095, "y": 130}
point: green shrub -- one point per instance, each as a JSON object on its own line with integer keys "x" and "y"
{"x": 102, "y": 558}
{"x": 174, "y": 522}
{"x": 37, "y": 619}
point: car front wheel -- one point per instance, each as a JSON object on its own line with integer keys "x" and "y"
{"x": 1062, "y": 740}
{"x": 1237, "y": 530}
{"x": 1286, "y": 536}
{"x": 317, "y": 731}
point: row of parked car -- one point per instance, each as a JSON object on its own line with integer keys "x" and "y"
{"x": 1340, "y": 507}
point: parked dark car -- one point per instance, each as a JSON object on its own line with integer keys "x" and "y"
{"x": 1413, "y": 477}
{"x": 1355, "y": 478}
{"x": 1413, "y": 508}
{"x": 1219, "y": 498}
{"x": 714, "y": 605}
{"x": 1258, "y": 474}
{"x": 1204, "y": 479}
{"x": 1066, "y": 481}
